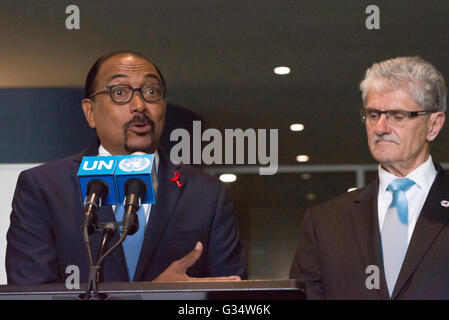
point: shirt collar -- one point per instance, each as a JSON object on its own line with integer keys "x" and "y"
{"x": 103, "y": 152}
{"x": 423, "y": 176}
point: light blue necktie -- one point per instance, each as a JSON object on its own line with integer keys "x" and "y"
{"x": 395, "y": 231}
{"x": 132, "y": 244}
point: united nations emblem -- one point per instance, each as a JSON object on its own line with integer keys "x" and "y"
{"x": 134, "y": 164}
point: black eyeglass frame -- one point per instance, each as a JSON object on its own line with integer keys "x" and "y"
{"x": 408, "y": 114}
{"x": 109, "y": 89}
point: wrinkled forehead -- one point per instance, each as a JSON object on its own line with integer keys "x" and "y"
{"x": 127, "y": 66}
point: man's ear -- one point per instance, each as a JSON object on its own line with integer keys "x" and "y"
{"x": 436, "y": 123}
{"x": 88, "y": 108}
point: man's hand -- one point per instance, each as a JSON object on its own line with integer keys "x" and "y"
{"x": 176, "y": 271}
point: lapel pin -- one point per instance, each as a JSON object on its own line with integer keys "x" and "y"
{"x": 444, "y": 203}
{"x": 175, "y": 178}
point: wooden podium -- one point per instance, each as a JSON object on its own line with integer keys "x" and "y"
{"x": 221, "y": 290}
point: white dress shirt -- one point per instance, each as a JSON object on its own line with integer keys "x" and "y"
{"x": 423, "y": 176}
{"x": 146, "y": 206}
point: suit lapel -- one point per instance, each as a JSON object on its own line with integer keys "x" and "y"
{"x": 432, "y": 219}
{"x": 366, "y": 228}
{"x": 167, "y": 197}
{"x": 90, "y": 151}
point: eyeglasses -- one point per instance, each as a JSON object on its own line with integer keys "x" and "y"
{"x": 123, "y": 93}
{"x": 394, "y": 117}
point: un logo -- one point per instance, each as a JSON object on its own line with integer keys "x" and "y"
{"x": 134, "y": 164}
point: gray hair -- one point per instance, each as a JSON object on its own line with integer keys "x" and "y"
{"x": 422, "y": 80}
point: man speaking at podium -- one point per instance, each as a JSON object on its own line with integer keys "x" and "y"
{"x": 390, "y": 239}
{"x": 191, "y": 227}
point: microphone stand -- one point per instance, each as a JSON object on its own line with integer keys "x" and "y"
{"x": 109, "y": 230}
{"x": 91, "y": 283}
{"x": 134, "y": 189}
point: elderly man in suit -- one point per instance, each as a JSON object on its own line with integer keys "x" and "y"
{"x": 390, "y": 239}
{"x": 125, "y": 103}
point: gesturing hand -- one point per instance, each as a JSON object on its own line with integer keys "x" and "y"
{"x": 176, "y": 271}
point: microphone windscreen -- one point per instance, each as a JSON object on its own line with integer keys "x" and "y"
{"x": 97, "y": 186}
{"x": 135, "y": 186}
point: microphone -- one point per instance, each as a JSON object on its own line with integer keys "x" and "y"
{"x": 134, "y": 181}
{"x": 101, "y": 168}
{"x": 97, "y": 183}
{"x": 96, "y": 191}
{"x": 109, "y": 230}
{"x": 134, "y": 190}
{"x": 138, "y": 166}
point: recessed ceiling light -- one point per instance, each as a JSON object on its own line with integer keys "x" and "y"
{"x": 228, "y": 177}
{"x": 302, "y": 158}
{"x": 296, "y": 127}
{"x": 306, "y": 176}
{"x": 311, "y": 196}
{"x": 282, "y": 70}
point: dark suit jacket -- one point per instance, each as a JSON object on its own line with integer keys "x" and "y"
{"x": 340, "y": 238}
{"x": 47, "y": 210}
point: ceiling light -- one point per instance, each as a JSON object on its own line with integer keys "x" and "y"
{"x": 296, "y": 127}
{"x": 306, "y": 176}
{"x": 311, "y": 196}
{"x": 228, "y": 177}
{"x": 302, "y": 158}
{"x": 282, "y": 70}
{"x": 351, "y": 189}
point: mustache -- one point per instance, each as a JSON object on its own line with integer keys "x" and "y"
{"x": 385, "y": 137}
{"x": 141, "y": 119}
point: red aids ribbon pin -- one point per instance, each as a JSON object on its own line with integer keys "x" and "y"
{"x": 176, "y": 179}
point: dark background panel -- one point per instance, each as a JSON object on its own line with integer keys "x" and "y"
{"x": 42, "y": 124}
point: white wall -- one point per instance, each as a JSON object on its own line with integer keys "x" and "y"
{"x": 8, "y": 180}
